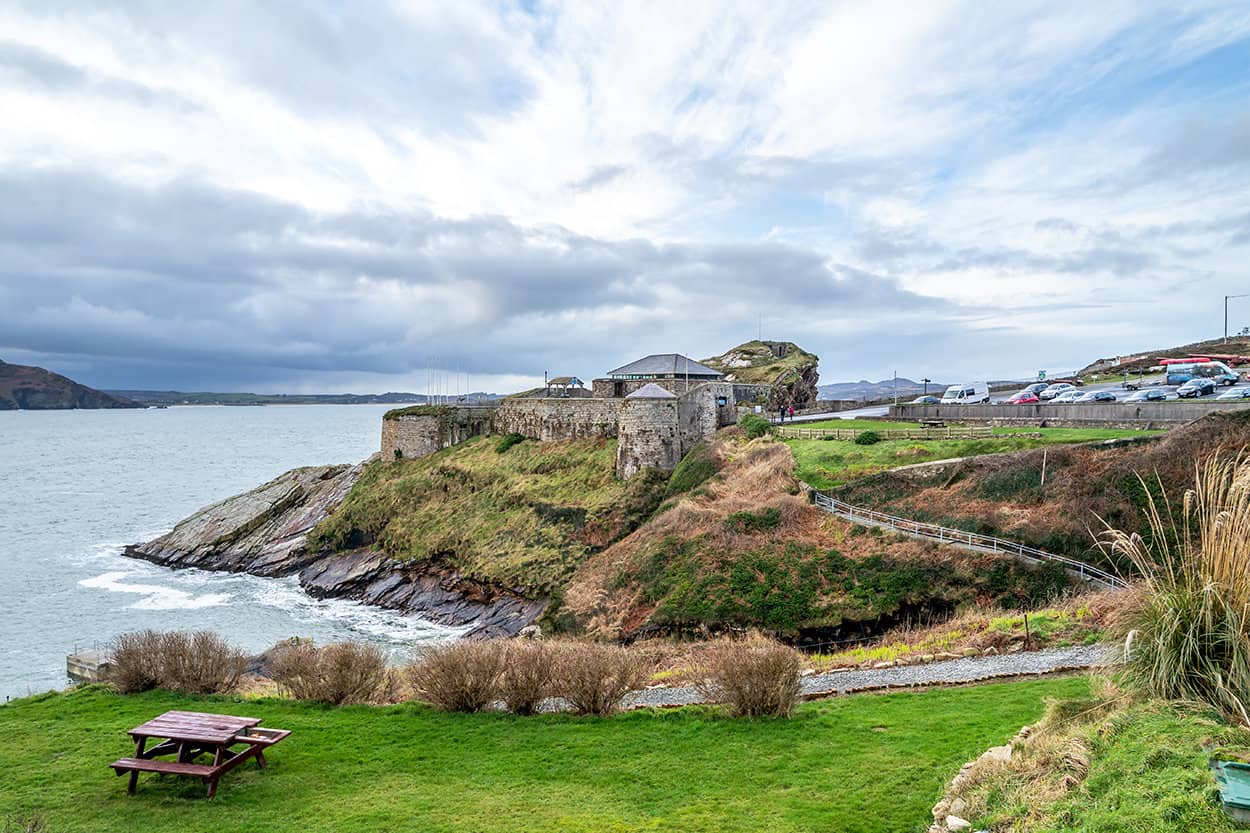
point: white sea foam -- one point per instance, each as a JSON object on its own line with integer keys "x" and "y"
{"x": 155, "y": 597}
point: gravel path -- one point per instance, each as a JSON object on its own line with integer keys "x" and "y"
{"x": 967, "y": 670}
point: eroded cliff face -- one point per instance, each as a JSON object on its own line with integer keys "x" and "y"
{"x": 265, "y": 532}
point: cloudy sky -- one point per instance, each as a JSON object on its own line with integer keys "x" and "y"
{"x": 333, "y": 197}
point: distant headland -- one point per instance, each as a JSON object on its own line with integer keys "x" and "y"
{"x": 26, "y": 388}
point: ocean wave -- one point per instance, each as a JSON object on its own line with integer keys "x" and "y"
{"x": 156, "y": 597}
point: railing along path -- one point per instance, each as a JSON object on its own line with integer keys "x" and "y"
{"x": 951, "y": 433}
{"x": 963, "y": 539}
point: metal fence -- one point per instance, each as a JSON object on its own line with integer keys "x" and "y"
{"x": 966, "y": 540}
{"x": 958, "y": 432}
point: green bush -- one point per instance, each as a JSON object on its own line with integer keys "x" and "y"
{"x": 745, "y": 521}
{"x": 507, "y": 441}
{"x": 867, "y": 438}
{"x": 754, "y": 425}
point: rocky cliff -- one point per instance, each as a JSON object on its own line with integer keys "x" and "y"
{"x": 265, "y": 532}
{"x": 32, "y": 388}
{"x": 791, "y": 371}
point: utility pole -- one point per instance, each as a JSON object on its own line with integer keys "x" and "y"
{"x": 1226, "y": 297}
{"x": 896, "y": 387}
{"x": 926, "y": 381}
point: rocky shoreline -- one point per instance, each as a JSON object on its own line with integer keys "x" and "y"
{"x": 264, "y": 532}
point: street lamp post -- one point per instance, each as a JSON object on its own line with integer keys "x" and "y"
{"x": 1226, "y": 297}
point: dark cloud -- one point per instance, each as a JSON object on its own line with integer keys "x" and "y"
{"x": 198, "y": 278}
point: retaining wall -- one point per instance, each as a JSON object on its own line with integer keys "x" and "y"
{"x": 1109, "y": 414}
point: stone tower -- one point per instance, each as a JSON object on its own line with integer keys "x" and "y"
{"x": 647, "y": 435}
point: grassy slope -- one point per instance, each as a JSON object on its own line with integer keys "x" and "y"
{"x": 525, "y": 518}
{"x": 865, "y": 763}
{"x": 1147, "y": 774}
{"x": 826, "y": 464}
{"x": 1005, "y": 496}
{"x": 746, "y": 549}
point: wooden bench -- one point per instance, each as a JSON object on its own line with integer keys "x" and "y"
{"x": 188, "y": 735}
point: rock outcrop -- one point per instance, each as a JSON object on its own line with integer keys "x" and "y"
{"x": 789, "y": 371}
{"x": 265, "y": 532}
{"x": 32, "y": 388}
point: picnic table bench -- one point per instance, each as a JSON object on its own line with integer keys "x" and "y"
{"x": 188, "y": 735}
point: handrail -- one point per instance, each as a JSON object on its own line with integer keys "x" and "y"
{"x": 948, "y": 433}
{"x": 962, "y": 538}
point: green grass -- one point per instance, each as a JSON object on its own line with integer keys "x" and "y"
{"x": 525, "y": 518}
{"x": 825, "y": 464}
{"x": 1148, "y": 774}
{"x": 1066, "y": 435}
{"x": 864, "y": 763}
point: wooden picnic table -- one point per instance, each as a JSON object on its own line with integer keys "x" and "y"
{"x": 187, "y": 736}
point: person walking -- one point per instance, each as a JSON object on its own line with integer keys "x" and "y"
{"x": 781, "y": 414}
{"x": 792, "y": 413}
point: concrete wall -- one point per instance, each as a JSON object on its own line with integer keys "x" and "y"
{"x": 558, "y": 419}
{"x": 416, "y": 436}
{"x": 1110, "y": 414}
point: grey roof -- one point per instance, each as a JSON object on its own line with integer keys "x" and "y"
{"x": 651, "y": 391}
{"x": 659, "y": 363}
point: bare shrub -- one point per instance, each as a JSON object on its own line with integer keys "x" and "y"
{"x": 200, "y": 663}
{"x": 593, "y": 677}
{"x": 135, "y": 661}
{"x": 526, "y": 676}
{"x": 756, "y": 677}
{"x": 343, "y": 672}
{"x": 459, "y": 676}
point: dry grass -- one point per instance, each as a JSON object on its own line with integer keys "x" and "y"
{"x": 459, "y": 676}
{"x": 756, "y": 677}
{"x": 1186, "y": 626}
{"x": 343, "y": 672}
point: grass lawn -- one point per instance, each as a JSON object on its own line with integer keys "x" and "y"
{"x": 862, "y": 763}
{"x": 825, "y": 464}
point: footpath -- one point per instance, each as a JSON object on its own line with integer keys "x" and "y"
{"x": 948, "y": 672}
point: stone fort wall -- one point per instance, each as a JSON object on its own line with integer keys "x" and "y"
{"x": 651, "y": 433}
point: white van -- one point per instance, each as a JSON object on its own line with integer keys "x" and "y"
{"x": 969, "y": 393}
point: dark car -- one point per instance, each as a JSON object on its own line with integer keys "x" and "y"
{"x": 1196, "y": 387}
{"x": 926, "y": 400}
{"x": 1096, "y": 396}
{"x": 1152, "y": 395}
{"x": 1035, "y": 388}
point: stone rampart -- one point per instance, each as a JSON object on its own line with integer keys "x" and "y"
{"x": 649, "y": 436}
{"x": 558, "y": 419}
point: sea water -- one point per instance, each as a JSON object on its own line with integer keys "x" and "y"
{"x": 80, "y": 485}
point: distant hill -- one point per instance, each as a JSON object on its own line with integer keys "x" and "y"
{"x": 864, "y": 390}
{"x": 1138, "y": 362}
{"x": 175, "y": 397}
{"x": 26, "y": 388}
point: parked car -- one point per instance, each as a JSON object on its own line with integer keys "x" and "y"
{"x": 1054, "y": 390}
{"x": 969, "y": 393}
{"x": 1035, "y": 388}
{"x": 1096, "y": 396}
{"x": 1195, "y": 388}
{"x": 1076, "y": 383}
{"x": 926, "y": 400}
{"x": 1235, "y": 393}
{"x": 1025, "y": 397}
{"x": 1152, "y": 395}
{"x": 1066, "y": 397}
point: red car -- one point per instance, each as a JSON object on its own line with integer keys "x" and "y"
{"x": 1024, "y": 397}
